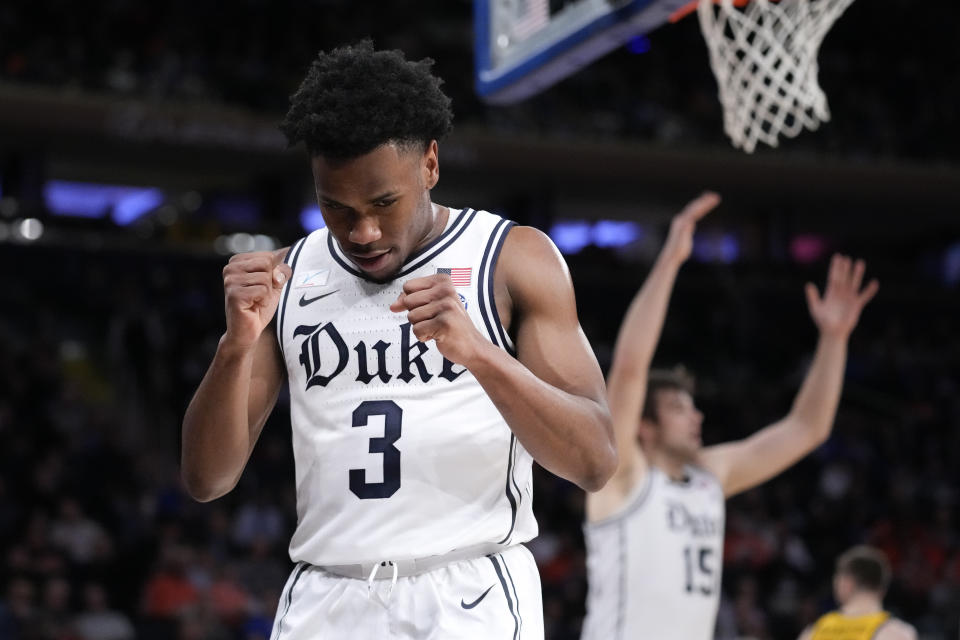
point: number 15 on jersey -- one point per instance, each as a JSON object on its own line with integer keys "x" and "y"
{"x": 699, "y": 570}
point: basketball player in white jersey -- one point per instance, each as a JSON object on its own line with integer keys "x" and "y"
{"x": 654, "y": 534}
{"x": 431, "y": 354}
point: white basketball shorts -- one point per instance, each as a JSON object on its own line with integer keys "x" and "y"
{"x": 490, "y": 597}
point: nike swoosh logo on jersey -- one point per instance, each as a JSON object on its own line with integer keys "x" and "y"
{"x": 477, "y": 601}
{"x": 304, "y": 301}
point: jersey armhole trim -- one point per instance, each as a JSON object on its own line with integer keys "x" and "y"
{"x": 485, "y": 292}
{"x": 282, "y": 310}
{"x": 504, "y": 336}
{"x": 630, "y": 507}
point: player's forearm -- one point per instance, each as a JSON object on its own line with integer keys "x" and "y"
{"x": 216, "y": 434}
{"x": 815, "y": 406}
{"x": 569, "y": 435}
{"x": 641, "y": 328}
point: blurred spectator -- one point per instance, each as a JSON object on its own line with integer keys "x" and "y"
{"x": 56, "y": 615}
{"x": 82, "y": 538}
{"x": 98, "y": 621}
{"x": 200, "y": 622}
{"x": 260, "y": 521}
{"x": 228, "y": 598}
{"x": 18, "y": 614}
{"x": 168, "y": 592}
{"x": 750, "y": 618}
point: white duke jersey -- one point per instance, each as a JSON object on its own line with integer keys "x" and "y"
{"x": 654, "y": 567}
{"x": 399, "y": 453}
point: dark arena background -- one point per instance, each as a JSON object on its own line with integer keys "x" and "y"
{"x": 139, "y": 149}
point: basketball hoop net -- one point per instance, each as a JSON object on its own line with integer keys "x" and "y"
{"x": 764, "y": 55}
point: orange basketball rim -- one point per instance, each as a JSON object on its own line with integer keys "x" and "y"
{"x": 689, "y": 8}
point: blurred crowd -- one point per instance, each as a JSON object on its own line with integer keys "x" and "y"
{"x": 892, "y": 95}
{"x": 99, "y": 353}
{"x": 98, "y": 538}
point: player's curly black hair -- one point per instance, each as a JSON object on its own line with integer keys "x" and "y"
{"x": 355, "y": 99}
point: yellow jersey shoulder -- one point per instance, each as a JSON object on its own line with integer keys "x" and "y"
{"x": 837, "y": 626}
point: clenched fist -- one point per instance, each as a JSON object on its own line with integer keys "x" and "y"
{"x": 251, "y": 286}
{"x": 435, "y": 312}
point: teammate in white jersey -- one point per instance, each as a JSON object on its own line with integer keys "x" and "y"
{"x": 431, "y": 354}
{"x": 654, "y": 534}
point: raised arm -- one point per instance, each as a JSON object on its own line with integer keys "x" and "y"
{"x": 552, "y": 394}
{"x": 240, "y": 388}
{"x": 638, "y": 338}
{"x": 746, "y": 463}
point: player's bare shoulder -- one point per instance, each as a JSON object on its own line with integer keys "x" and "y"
{"x": 530, "y": 253}
{"x": 530, "y": 273}
{"x": 896, "y": 629}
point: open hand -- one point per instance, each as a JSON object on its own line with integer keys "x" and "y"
{"x": 837, "y": 312}
{"x": 679, "y": 242}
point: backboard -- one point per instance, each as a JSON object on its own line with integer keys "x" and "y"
{"x": 525, "y": 46}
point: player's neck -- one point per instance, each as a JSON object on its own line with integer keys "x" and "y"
{"x": 439, "y": 215}
{"x": 672, "y": 466}
{"x": 862, "y": 604}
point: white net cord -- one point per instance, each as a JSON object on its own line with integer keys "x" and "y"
{"x": 764, "y": 56}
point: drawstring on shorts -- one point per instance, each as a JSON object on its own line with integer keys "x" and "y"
{"x": 373, "y": 576}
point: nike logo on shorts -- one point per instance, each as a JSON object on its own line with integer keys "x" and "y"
{"x": 477, "y": 601}
{"x": 304, "y": 301}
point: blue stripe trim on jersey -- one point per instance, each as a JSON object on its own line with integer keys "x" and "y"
{"x": 430, "y": 245}
{"x": 485, "y": 298}
{"x": 513, "y": 501}
{"x": 516, "y": 596}
{"x": 343, "y": 263}
{"x": 446, "y": 244}
{"x": 463, "y": 220}
{"x": 506, "y": 592}
{"x": 299, "y": 572}
{"x": 507, "y": 343}
{"x": 482, "y": 289}
{"x": 286, "y": 294}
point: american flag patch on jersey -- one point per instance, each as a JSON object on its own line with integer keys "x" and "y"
{"x": 459, "y": 275}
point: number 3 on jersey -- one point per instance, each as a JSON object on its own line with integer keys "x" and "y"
{"x": 392, "y": 419}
